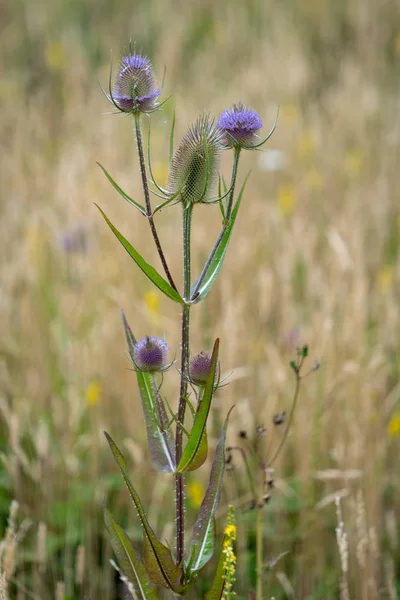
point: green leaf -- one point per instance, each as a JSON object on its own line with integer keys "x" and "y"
{"x": 218, "y": 585}
{"x": 130, "y": 560}
{"x": 159, "y": 433}
{"x": 193, "y": 454}
{"x": 203, "y": 540}
{"x": 121, "y": 191}
{"x": 158, "y": 558}
{"x": 218, "y": 258}
{"x": 147, "y": 269}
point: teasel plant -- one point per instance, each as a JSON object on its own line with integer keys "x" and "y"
{"x": 174, "y": 447}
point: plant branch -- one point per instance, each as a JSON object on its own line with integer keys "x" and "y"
{"x": 149, "y": 213}
{"x": 224, "y": 225}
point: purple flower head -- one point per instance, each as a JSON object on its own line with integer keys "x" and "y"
{"x": 135, "y": 89}
{"x": 239, "y": 126}
{"x": 199, "y": 368}
{"x": 195, "y": 164}
{"x": 150, "y": 354}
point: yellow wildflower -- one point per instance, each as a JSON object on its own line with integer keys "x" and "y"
{"x": 93, "y": 392}
{"x": 305, "y": 145}
{"x": 152, "y": 303}
{"x": 354, "y": 162}
{"x": 397, "y": 43}
{"x": 314, "y": 179}
{"x": 230, "y": 531}
{"x": 55, "y": 56}
{"x": 289, "y": 114}
{"x": 385, "y": 278}
{"x": 229, "y": 555}
{"x": 394, "y": 426}
{"x": 286, "y": 200}
{"x": 195, "y": 491}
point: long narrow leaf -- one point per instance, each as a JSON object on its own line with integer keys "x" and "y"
{"x": 130, "y": 561}
{"x": 218, "y": 585}
{"x": 158, "y": 558}
{"x": 147, "y": 269}
{"x": 218, "y": 258}
{"x": 193, "y": 454}
{"x": 203, "y": 541}
{"x": 121, "y": 191}
{"x": 159, "y": 433}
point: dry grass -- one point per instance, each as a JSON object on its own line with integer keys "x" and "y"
{"x": 315, "y": 258}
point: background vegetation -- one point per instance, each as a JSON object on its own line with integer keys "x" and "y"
{"x": 315, "y": 259}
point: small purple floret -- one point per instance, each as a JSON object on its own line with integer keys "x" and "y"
{"x": 199, "y": 368}
{"x": 136, "y": 61}
{"x": 239, "y": 125}
{"x": 134, "y": 88}
{"x": 150, "y": 354}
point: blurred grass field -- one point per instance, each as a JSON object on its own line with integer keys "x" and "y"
{"x": 315, "y": 259}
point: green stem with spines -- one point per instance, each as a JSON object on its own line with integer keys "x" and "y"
{"x": 149, "y": 214}
{"x": 179, "y": 480}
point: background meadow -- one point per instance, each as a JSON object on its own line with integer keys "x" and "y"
{"x": 314, "y": 259}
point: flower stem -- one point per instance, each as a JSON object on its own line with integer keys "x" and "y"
{"x": 149, "y": 213}
{"x": 259, "y": 549}
{"x": 224, "y": 225}
{"x": 179, "y": 481}
{"x": 290, "y": 420}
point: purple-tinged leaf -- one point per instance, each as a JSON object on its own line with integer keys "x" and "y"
{"x": 130, "y": 561}
{"x": 193, "y": 455}
{"x": 203, "y": 540}
{"x": 158, "y": 558}
{"x": 147, "y": 269}
{"x": 218, "y": 585}
{"x": 159, "y": 434}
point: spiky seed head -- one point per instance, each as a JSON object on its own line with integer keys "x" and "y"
{"x": 239, "y": 126}
{"x": 195, "y": 164}
{"x": 199, "y": 368}
{"x": 134, "y": 88}
{"x": 150, "y": 354}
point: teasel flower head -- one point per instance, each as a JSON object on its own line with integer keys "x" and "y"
{"x": 195, "y": 164}
{"x": 150, "y": 354}
{"x": 239, "y": 126}
{"x": 134, "y": 89}
{"x": 199, "y": 368}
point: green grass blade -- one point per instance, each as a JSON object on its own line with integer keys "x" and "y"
{"x": 218, "y": 259}
{"x": 147, "y": 269}
{"x": 121, "y": 191}
{"x": 203, "y": 541}
{"x": 130, "y": 560}
{"x": 158, "y": 558}
{"x": 193, "y": 454}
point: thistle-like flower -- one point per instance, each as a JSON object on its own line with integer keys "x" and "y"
{"x": 199, "y": 368}
{"x": 150, "y": 354}
{"x": 195, "y": 164}
{"x": 134, "y": 88}
{"x": 239, "y": 126}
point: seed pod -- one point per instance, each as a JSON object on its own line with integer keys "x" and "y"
{"x": 195, "y": 164}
